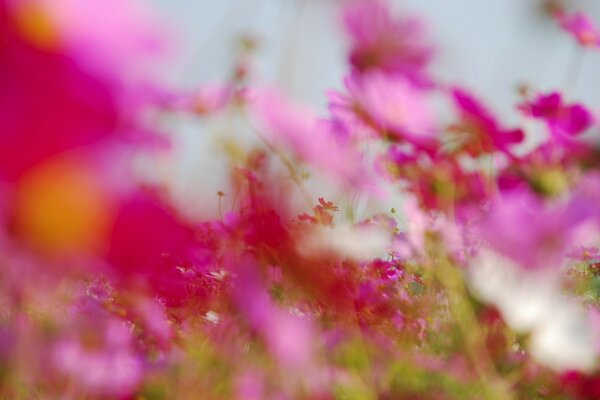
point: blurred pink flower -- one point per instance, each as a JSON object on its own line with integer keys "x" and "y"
{"x": 46, "y": 100}
{"x": 317, "y": 142}
{"x": 289, "y": 337}
{"x": 581, "y": 27}
{"x": 391, "y": 105}
{"x": 121, "y": 38}
{"x": 563, "y": 120}
{"x": 102, "y": 359}
{"x": 154, "y": 319}
{"x": 381, "y": 41}
{"x": 70, "y": 74}
{"x": 148, "y": 241}
{"x": 206, "y": 100}
{"x": 437, "y": 181}
{"x": 250, "y": 385}
{"x": 583, "y": 253}
{"x": 346, "y": 110}
{"x": 534, "y": 234}
{"x": 483, "y": 132}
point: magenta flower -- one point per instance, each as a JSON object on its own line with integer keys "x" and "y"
{"x": 68, "y": 81}
{"x": 478, "y": 130}
{"x": 47, "y": 101}
{"x": 563, "y": 120}
{"x": 439, "y": 183}
{"x": 381, "y": 41}
{"x": 148, "y": 241}
{"x": 581, "y": 27}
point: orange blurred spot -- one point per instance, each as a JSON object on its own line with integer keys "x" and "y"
{"x": 61, "y": 208}
{"x": 35, "y": 24}
{"x": 588, "y": 38}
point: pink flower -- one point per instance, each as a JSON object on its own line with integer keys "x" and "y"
{"x": 438, "y": 182}
{"x": 154, "y": 319}
{"x": 62, "y": 75}
{"x": 581, "y": 27}
{"x": 583, "y": 253}
{"x": 563, "y": 120}
{"x": 348, "y": 112}
{"x": 123, "y": 39}
{"x": 391, "y": 105}
{"x": 534, "y": 234}
{"x": 98, "y": 353}
{"x": 206, "y": 100}
{"x": 316, "y": 142}
{"x": 478, "y": 129}
{"x": 383, "y": 42}
{"x": 250, "y": 385}
{"x": 288, "y": 337}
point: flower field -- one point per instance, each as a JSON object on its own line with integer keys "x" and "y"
{"x": 406, "y": 241}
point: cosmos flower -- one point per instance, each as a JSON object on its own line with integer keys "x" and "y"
{"x": 581, "y": 27}
{"x": 99, "y": 355}
{"x": 148, "y": 240}
{"x": 317, "y": 142}
{"x": 60, "y": 109}
{"x": 546, "y": 233}
{"x": 390, "y": 105}
{"x": 563, "y": 120}
{"x": 126, "y": 52}
{"x": 382, "y": 41}
{"x": 289, "y": 337}
{"x": 478, "y": 131}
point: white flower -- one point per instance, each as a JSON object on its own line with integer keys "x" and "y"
{"x": 565, "y": 341}
{"x": 562, "y": 336}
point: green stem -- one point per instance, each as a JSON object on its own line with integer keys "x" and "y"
{"x": 472, "y": 335}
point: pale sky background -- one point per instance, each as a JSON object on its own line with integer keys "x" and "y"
{"x": 489, "y": 46}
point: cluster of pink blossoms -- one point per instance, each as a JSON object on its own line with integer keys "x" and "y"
{"x": 482, "y": 282}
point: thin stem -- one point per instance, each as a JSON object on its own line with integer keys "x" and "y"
{"x": 219, "y": 205}
{"x": 235, "y": 197}
{"x": 291, "y": 169}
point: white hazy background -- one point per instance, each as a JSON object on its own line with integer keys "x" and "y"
{"x": 489, "y": 46}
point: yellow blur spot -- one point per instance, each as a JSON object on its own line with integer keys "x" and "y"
{"x": 35, "y": 24}
{"x": 62, "y": 209}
